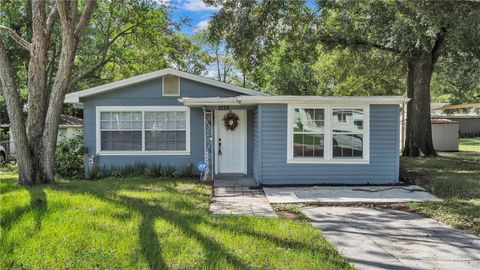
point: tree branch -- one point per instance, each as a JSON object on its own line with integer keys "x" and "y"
{"x": 122, "y": 33}
{"x": 82, "y": 23}
{"x": 88, "y": 72}
{"x": 356, "y": 42}
{"x": 439, "y": 41}
{"x": 22, "y": 42}
{"x": 52, "y": 18}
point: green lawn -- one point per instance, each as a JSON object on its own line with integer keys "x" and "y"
{"x": 140, "y": 223}
{"x": 454, "y": 178}
{"x": 469, "y": 144}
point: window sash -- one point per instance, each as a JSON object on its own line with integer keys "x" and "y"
{"x": 310, "y": 132}
{"x": 349, "y": 142}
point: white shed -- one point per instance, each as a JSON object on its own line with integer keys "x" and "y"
{"x": 445, "y": 134}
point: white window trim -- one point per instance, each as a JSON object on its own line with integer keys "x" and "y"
{"x": 328, "y": 147}
{"x": 142, "y": 109}
{"x": 170, "y": 95}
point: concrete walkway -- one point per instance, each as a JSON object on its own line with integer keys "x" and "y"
{"x": 389, "y": 239}
{"x": 233, "y": 195}
{"x": 326, "y": 194}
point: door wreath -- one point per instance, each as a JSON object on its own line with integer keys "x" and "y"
{"x": 230, "y": 120}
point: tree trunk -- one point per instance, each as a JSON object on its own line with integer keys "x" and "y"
{"x": 36, "y": 138}
{"x": 15, "y": 114}
{"x": 62, "y": 80}
{"x": 37, "y": 89}
{"x": 418, "y": 139}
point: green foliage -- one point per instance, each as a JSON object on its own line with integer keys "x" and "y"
{"x": 145, "y": 39}
{"x": 156, "y": 170}
{"x": 457, "y": 79}
{"x": 69, "y": 157}
{"x": 346, "y": 72}
{"x": 4, "y": 135}
{"x": 288, "y": 69}
{"x": 363, "y": 45}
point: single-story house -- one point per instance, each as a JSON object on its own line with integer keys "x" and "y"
{"x": 69, "y": 126}
{"x": 466, "y": 115}
{"x": 173, "y": 117}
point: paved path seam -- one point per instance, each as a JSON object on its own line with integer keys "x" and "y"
{"x": 374, "y": 238}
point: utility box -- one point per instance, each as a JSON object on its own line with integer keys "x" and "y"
{"x": 445, "y": 134}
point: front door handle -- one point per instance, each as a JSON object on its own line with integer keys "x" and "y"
{"x": 219, "y": 146}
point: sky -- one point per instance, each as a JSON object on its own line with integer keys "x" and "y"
{"x": 195, "y": 10}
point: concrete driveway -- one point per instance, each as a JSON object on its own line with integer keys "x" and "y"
{"x": 373, "y": 238}
{"x": 326, "y": 194}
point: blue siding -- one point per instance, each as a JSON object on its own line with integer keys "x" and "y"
{"x": 257, "y": 150}
{"x": 266, "y": 138}
{"x": 250, "y": 114}
{"x": 150, "y": 94}
{"x": 384, "y": 153}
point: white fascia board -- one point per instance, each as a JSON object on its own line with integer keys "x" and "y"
{"x": 209, "y": 101}
{"x": 322, "y": 99}
{"x": 72, "y": 98}
{"x": 75, "y": 97}
{"x": 70, "y": 126}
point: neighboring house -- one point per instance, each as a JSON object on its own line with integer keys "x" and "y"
{"x": 69, "y": 126}
{"x": 176, "y": 118}
{"x": 467, "y": 116}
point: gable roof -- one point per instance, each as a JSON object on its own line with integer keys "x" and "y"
{"x": 70, "y": 121}
{"x": 75, "y": 96}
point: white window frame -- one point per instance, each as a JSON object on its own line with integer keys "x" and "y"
{"x": 163, "y": 88}
{"x": 328, "y": 135}
{"x": 143, "y": 109}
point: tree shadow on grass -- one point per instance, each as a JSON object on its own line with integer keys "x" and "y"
{"x": 288, "y": 243}
{"x": 38, "y": 202}
{"x": 150, "y": 210}
{"x": 181, "y": 213}
{"x": 38, "y": 205}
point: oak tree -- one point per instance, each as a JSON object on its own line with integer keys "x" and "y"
{"x": 418, "y": 33}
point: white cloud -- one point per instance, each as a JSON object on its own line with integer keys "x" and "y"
{"x": 198, "y": 5}
{"x": 163, "y": 2}
{"x": 201, "y": 25}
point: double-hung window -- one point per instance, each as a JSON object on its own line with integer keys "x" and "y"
{"x": 328, "y": 134}
{"x": 143, "y": 130}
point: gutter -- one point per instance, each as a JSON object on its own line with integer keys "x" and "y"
{"x": 255, "y": 100}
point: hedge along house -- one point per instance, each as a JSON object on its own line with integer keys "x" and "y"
{"x": 176, "y": 118}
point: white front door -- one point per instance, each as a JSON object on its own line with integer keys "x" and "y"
{"x": 231, "y": 145}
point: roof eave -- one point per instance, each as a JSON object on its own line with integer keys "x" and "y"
{"x": 253, "y": 100}
{"x": 317, "y": 99}
{"x": 76, "y": 96}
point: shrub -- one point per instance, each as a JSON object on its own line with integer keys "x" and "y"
{"x": 4, "y": 135}
{"x": 185, "y": 171}
{"x": 142, "y": 169}
{"x": 69, "y": 156}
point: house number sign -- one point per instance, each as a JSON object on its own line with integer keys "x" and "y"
{"x": 223, "y": 108}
